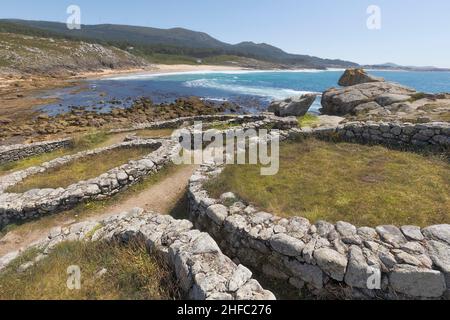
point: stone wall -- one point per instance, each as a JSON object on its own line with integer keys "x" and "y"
{"x": 22, "y": 151}
{"x": 178, "y": 122}
{"x": 430, "y": 135}
{"x": 323, "y": 259}
{"x": 35, "y": 203}
{"x": 202, "y": 270}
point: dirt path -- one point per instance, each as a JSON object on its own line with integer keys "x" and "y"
{"x": 162, "y": 197}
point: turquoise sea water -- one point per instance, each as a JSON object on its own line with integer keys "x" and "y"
{"x": 252, "y": 90}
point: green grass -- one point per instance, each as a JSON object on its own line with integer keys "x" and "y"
{"x": 82, "y": 169}
{"x": 221, "y": 125}
{"x": 360, "y": 184}
{"x": 80, "y": 143}
{"x": 92, "y": 208}
{"x": 132, "y": 274}
{"x": 308, "y": 120}
{"x": 418, "y": 96}
{"x": 223, "y": 59}
{"x": 167, "y": 58}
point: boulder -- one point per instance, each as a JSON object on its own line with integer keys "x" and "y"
{"x": 287, "y": 245}
{"x": 353, "y": 77}
{"x": 417, "y": 282}
{"x": 294, "y": 106}
{"x": 390, "y": 98}
{"x": 358, "y": 271}
{"x": 344, "y": 101}
{"x": 332, "y": 263}
{"x": 438, "y": 232}
{"x": 366, "y": 96}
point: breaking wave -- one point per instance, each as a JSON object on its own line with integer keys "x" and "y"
{"x": 238, "y": 88}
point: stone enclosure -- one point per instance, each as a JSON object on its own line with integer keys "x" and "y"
{"x": 321, "y": 259}
{"x": 334, "y": 260}
{"x": 202, "y": 270}
{"x": 35, "y": 203}
{"x": 22, "y": 151}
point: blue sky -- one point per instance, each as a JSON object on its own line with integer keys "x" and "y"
{"x": 412, "y": 32}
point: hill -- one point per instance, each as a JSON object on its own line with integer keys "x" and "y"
{"x": 176, "y": 42}
{"x": 49, "y": 56}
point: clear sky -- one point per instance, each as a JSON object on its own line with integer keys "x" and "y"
{"x": 412, "y": 32}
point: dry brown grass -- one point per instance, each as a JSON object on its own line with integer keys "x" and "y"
{"x": 80, "y": 143}
{"x": 364, "y": 185}
{"x": 154, "y": 133}
{"x": 82, "y": 169}
{"x": 132, "y": 274}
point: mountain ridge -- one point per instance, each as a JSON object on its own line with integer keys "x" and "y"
{"x": 173, "y": 41}
{"x": 180, "y": 45}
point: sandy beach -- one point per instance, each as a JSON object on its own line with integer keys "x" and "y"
{"x": 156, "y": 69}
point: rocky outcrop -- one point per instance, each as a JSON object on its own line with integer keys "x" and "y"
{"x": 22, "y": 151}
{"x": 374, "y": 95}
{"x": 36, "y": 203}
{"x": 373, "y": 99}
{"x": 202, "y": 271}
{"x": 353, "y": 77}
{"x": 294, "y": 106}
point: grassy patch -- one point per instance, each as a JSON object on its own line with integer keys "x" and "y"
{"x": 418, "y": 96}
{"x": 154, "y": 133}
{"x": 93, "y": 208}
{"x": 80, "y": 143}
{"x": 308, "y": 120}
{"x": 82, "y": 169}
{"x": 132, "y": 274}
{"x": 364, "y": 185}
{"x": 223, "y": 125}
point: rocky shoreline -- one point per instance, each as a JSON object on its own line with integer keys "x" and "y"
{"x": 78, "y": 120}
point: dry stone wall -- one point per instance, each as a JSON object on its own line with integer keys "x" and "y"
{"x": 178, "y": 122}
{"x": 22, "y": 151}
{"x": 202, "y": 270}
{"x": 35, "y": 203}
{"x": 332, "y": 260}
{"x": 433, "y": 135}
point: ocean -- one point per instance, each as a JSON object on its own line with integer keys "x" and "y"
{"x": 252, "y": 90}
